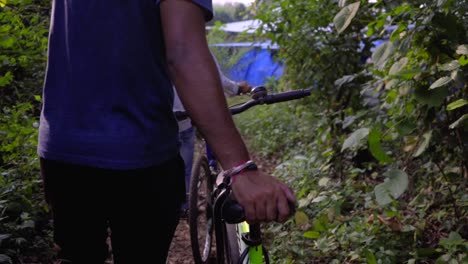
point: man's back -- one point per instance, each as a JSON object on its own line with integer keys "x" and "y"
{"x": 107, "y": 95}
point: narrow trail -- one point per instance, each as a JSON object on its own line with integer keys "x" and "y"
{"x": 180, "y": 251}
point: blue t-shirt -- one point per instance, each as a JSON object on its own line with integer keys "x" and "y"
{"x": 107, "y": 98}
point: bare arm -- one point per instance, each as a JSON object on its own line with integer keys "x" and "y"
{"x": 197, "y": 80}
{"x": 198, "y": 84}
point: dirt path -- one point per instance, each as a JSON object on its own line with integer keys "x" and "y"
{"x": 180, "y": 251}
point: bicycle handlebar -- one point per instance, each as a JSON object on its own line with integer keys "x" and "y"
{"x": 258, "y": 100}
{"x": 271, "y": 99}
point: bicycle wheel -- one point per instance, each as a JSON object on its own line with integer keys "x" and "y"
{"x": 200, "y": 211}
{"x": 233, "y": 239}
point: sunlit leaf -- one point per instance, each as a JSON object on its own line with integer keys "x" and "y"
{"x": 423, "y": 146}
{"x": 381, "y": 54}
{"x": 324, "y": 181}
{"x": 459, "y": 121}
{"x": 355, "y": 138}
{"x": 375, "y": 146}
{"x": 462, "y": 49}
{"x": 370, "y": 257}
{"x": 441, "y": 2}
{"x": 440, "y": 82}
{"x": 3, "y": 3}
{"x": 344, "y": 17}
{"x": 398, "y": 66}
{"x": 457, "y": 104}
{"x": 450, "y": 66}
{"x": 344, "y": 80}
{"x": 394, "y": 185}
{"x": 311, "y": 234}
{"x": 463, "y": 60}
{"x": 301, "y": 218}
{"x": 319, "y": 199}
{"x": 7, "y": 42}
{"x": 6, "y": 79}
{"x": 407, "y": 74}
{"x": 397, "y": 32}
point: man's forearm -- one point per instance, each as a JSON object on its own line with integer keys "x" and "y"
{"x": 199, "y": 87}
{"x": 197, "y": 80}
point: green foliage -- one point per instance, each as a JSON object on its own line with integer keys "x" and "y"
{"x": 378, "y": 155}
{"x": 230, "y": 12}
{"x": 24, "y": 225}
{"x": 25, "y": 231}
{"x": 23, "y": 42}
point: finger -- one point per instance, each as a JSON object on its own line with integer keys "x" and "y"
{"x": 271, "y": 212}
{"x": 289, "y": 194}
{"x": 283, "y": 208}
{"x": 250, "y": 213}
{"x": 260, "y": 210}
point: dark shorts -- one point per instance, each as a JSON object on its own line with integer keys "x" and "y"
{"x": 140, "y": 207}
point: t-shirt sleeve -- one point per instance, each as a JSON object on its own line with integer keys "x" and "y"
{"x": 206, "y": 5}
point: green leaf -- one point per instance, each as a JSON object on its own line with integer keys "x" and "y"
{"x": 355, "y": 138}
{"x": 459, "y": 121}
{"x": 406, "y": 126}
{"x": 407, "y": 74}
{"x": 396, "y": 33}
{"x": 423, "y": 146}
{"x": 450, "y": 66}
{"x": 431, "y": 97}
{"x": 301, "y": 218}
{"x": 375, "y": 146}
{"x": 370, "y": 257}
{"x": 457, "y": 104}
{"x": 344, "y": 17}
{"x": 398, "y": 66}
{"x": 463, "y": 60}
{"x": 394, "y": 185}
{"x": 441, "y": 2}
{"x": 440, "y": 82}
{"x": 453, "y": 239}
{"x": 381, "y": 54}
{"x": 344, "y": 80}
{"x": 462, "y": 49}
{"x": 6, "y": 79}
{"x": 7, "y": 42}
{"x": 311, "y": 234}
{"x": 3, "y": 3}
{"x": 324, "y": 181}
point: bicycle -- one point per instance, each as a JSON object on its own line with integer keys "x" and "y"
{"x": 212, "y": 208}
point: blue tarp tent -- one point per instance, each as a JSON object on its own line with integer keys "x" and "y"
{"x": 256, "y": 67}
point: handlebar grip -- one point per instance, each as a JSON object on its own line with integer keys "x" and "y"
{"x": 233, "y": 212}
{"x": 287, "y": 96}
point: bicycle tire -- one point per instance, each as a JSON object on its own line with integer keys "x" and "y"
{"x": 232, "y": 240}
{"x": 201, "y": 187}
